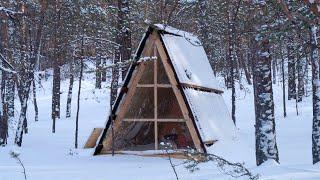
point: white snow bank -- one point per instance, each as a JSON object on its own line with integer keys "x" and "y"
{"x": 211, "y": 115}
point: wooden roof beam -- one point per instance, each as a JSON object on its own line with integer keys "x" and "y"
{"x": 201, "y": 88}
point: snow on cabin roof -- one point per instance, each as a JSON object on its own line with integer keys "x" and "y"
{"x": 188, "y": 57}
{"x": 178, "y": 32}
{"x": 211, "y": 115}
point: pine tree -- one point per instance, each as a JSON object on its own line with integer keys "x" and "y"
{"x": 266, "y": 145}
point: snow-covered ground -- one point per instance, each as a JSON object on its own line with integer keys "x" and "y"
{"x": 52, "y": 156}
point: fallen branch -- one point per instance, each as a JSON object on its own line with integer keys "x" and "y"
{"x": 232, "y": 169}
{"x": 15, "y": 155}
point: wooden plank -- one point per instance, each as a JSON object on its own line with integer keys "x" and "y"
{"x": 155, "y": 78}
{"x": 155, "y": 85}
{"x": 201, "y": 88}
{"x": 153, "y": 120}
{"x": 177, "y": 92}
{"x": 92, "y": 140}
{"x": 177, "y": 154}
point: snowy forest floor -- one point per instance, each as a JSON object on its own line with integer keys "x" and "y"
{"x": 52, "y": 156}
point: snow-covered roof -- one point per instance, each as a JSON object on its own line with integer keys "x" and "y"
{"x": 210, "y": 114}
{"x": 192, "y": 66}
{"x": 188, "y": 57}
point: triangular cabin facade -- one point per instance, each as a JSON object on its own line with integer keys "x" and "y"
{"x": 163, "y": 96}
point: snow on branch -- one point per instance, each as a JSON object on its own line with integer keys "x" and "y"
{"x": 314, "y": 6}
{"x": 9, "y": 12}
{"x": 2, "y": 68}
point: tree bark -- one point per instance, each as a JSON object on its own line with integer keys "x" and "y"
{"x": 266, "y": 146}
{"x": 315, "y": 96}
{"x": 124, "y": 31}
{"x": 265, "y": 131}
{"x": 300, "y": 69}
{"x": 283, "y": 84}
{"x": 69, "y": 97}
{"x": 98, "y": 72}
{"x": 291, "y": 70}
{"x": 79, "y": 93}
{"x": 35, "y": 104}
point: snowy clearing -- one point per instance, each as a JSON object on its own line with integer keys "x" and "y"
{"x": 52, "y": 156}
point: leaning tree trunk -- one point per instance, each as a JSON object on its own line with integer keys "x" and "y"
{"x": 23, "y": 92}
{"x": 21, "y": 121}
{"x": 315, "y": 96}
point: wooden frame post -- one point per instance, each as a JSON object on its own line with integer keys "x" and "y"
{"x": 155, "y": 88}
{"x": 164, "y": 58}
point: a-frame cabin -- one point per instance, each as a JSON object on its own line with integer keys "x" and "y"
{"x": 169, "y": 95}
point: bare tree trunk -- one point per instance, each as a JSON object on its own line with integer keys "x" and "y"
{"x": 55, "y": 111}
{"x": 78, "y": 101}
{"x": 103, "y": 71}
{"x": 265, "y": 131}
{"x": 300, "y": 66}
{"x": 274, "y": 71}
{"x": 23, "y": 90}
{"x": 69, "y": 98}
{"x": 3, "y": 112}
{"x": 124, "y": 31}
{"x": 3, "y": 125}
{"x": 244, "y": 66}
{"x": 291, "y": 70}
{"x": 283, "y": 84}
{"x": 55, "y": 114}
{"x": 266, "y": 146}
{"x": 98, "y": 72}
{"x": 315, "y": 96}
{"x": 35, "y": 104}
{"x": 10, "y": 93}
{"x": 232, "y": 59}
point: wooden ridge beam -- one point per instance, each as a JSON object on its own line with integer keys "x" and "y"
{"x": 153, "y": 120}
{"x": 155, "y": 85}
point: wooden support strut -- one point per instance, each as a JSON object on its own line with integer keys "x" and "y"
{"x": 201, "y": 88}
{"x": 155, "y": 78}
{"x": 177, "y": 92}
